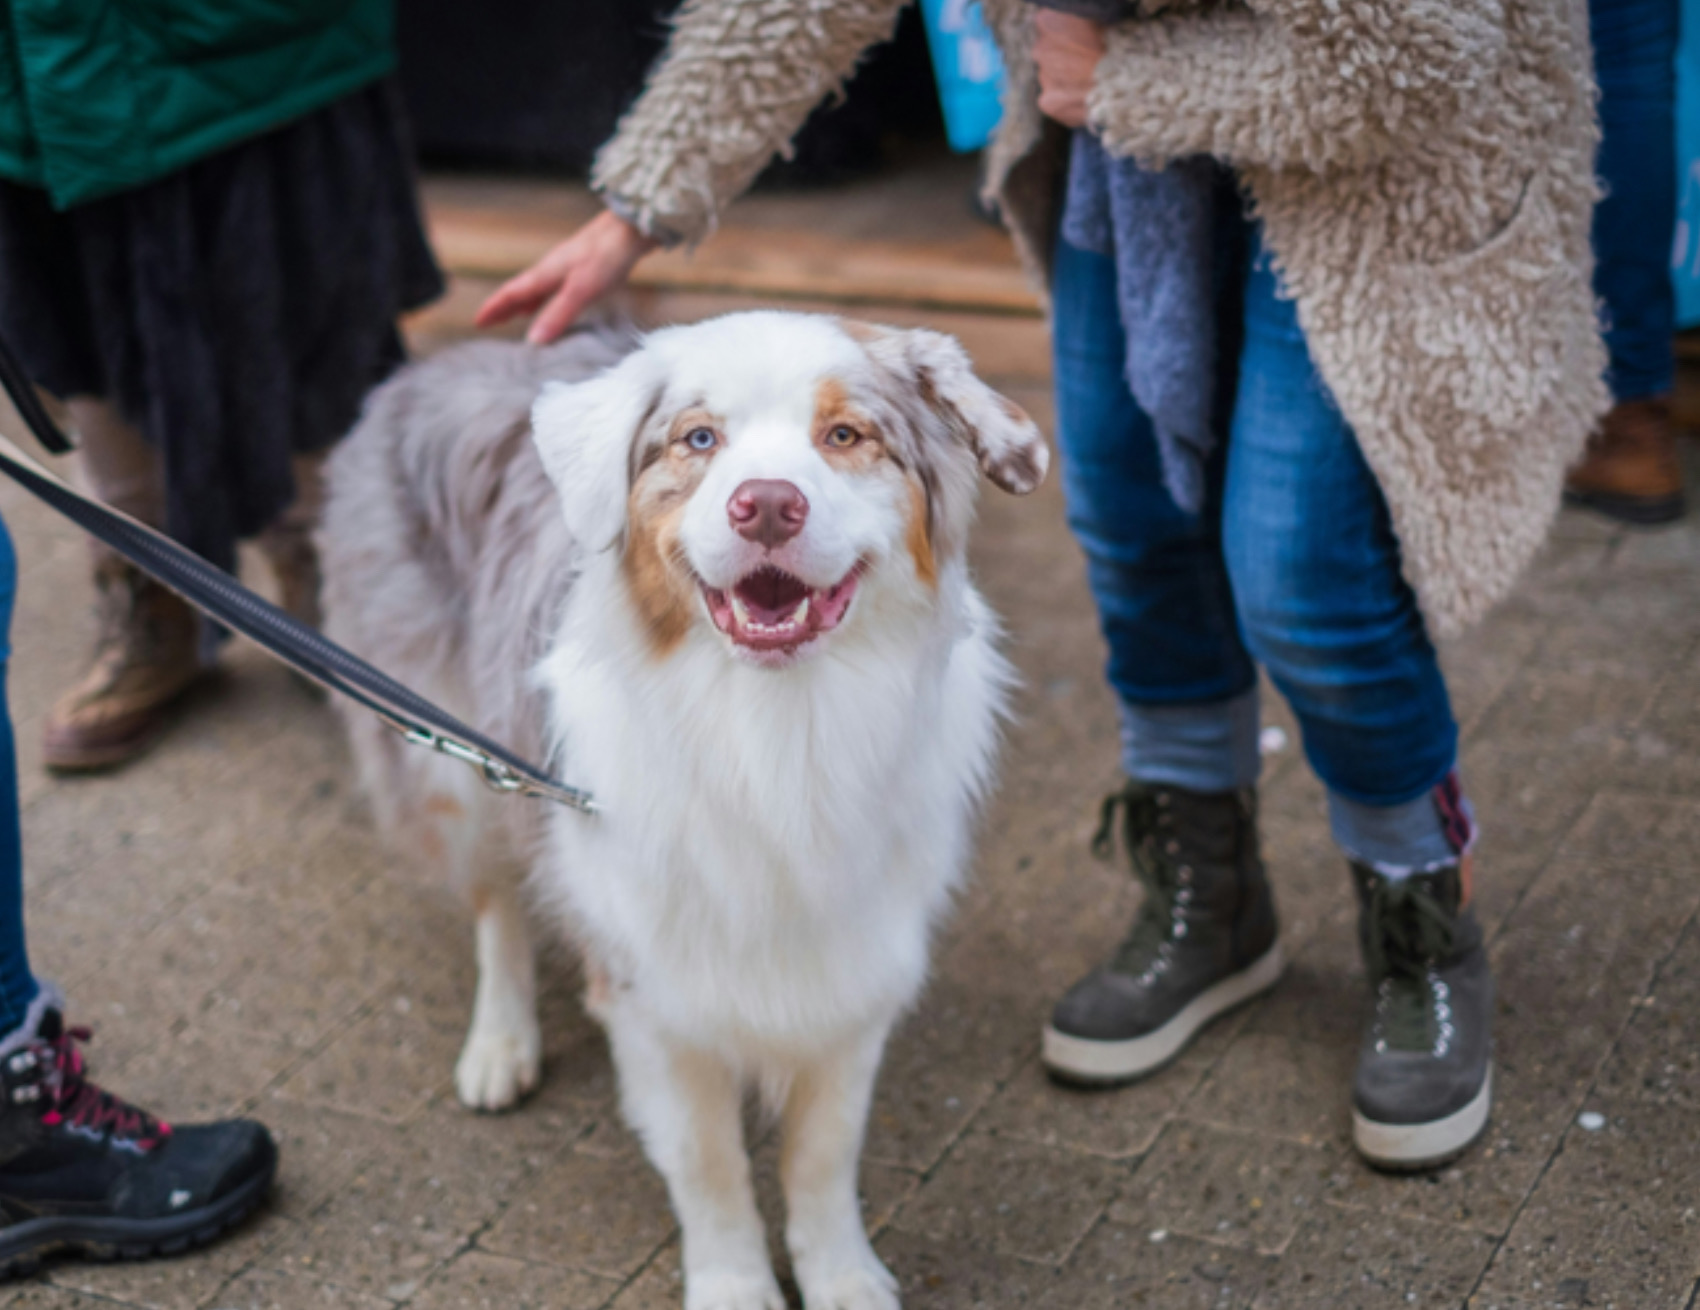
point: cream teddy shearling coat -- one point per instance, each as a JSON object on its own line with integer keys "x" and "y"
{"x": 1423, "y": 170}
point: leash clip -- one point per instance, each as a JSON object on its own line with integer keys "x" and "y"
{"x": 498, "y": 777}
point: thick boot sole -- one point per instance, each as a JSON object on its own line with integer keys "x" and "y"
{"x": 62, "y": 755}
{"x": 1105, "y": 1063}
{"x": 1638, "y": 511}
{"x": 64, "y": 750}
{"x": 1405, "y": 1148}
{"x": 24, "y": 1246}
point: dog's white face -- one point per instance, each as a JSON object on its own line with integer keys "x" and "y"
{"x": 764, "y": 471}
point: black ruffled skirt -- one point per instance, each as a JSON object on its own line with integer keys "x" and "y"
{"x": 236, "y": 311}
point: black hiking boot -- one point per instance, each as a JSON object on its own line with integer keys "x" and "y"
{"x": 1204, "y": 940}
{"x": 1425, "y": 1080}
{"x": 83, "y": 1172}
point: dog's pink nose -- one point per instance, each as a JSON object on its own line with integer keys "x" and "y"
{"x": 768, "y": 511}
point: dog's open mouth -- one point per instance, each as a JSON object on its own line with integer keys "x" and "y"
{"x": 772, "y": 610}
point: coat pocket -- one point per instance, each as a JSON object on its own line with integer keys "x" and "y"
{"x": 1508, "y": 317}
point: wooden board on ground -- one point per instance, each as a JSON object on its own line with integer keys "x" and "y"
{"x": 908, "y": 237}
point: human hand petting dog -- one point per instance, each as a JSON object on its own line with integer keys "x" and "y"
{"x": 1067, "y": 52}
{"x": 585, "y": 267}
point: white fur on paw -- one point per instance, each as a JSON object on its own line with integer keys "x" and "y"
{"x": 865, "y": 1285}
{"x": 497, "y": 1068}
{"x": 733, "y": 1290}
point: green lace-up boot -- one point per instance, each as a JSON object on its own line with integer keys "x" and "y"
{"x": 1424, "y": 1084}
{"x": 1204, "y": 941}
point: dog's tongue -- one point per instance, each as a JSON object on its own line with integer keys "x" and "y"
{"x": 771, "y": 595}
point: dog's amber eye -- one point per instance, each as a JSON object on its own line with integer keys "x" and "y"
{"x": 701, "y": 439}
{"x": 842, "y": 438}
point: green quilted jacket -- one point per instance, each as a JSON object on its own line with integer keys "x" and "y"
{"x": 98, "y": 96}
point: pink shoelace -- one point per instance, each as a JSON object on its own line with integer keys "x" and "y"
{"x": 79, "y": 1103}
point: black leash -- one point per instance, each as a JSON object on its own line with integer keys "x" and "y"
{"x": 222, "y": 598}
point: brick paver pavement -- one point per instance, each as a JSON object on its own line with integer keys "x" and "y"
{"x": 223, "y": 916}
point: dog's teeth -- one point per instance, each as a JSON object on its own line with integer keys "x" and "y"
{"x": 796, "y": 619}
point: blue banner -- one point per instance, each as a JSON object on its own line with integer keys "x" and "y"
{"x": 968, "y": 69}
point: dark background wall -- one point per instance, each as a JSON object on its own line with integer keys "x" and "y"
{"x": 540, "y": 84}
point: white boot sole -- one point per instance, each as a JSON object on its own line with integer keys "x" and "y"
{"x": 1422, "y": 1146}
{"x": 1082, "y": 1059}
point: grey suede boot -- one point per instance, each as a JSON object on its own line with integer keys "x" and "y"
{"x": 1204, "y": 941}
{"x": 1425, "y": 1079}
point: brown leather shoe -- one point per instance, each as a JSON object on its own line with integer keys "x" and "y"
{"x": 1630, "y": 470}
{"x": 146, "y": 657}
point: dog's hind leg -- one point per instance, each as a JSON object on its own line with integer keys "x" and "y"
{"x": 503, "y": 1056}
{"x": 826, "y": 1114}
{"x": 686, "y": 1105}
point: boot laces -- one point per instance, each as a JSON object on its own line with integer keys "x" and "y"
{"x": 77, "y": 1103}
{"x": 1409, "y": 932}
{"x": 1166, "y": 879}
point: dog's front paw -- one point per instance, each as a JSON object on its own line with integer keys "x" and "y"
{"x": 865, "y": 1284}
{"x": 733, "y": 1289}
{"x": 497, "y": 1068}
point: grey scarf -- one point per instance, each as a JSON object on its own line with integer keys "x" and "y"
{"x": 1159, "y": 225}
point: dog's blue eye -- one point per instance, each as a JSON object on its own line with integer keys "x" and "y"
{"x": 701, "y": 439}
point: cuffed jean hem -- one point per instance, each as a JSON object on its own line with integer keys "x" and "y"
{"x": 1210, "y": 746}
{"x": 1415, "y": 836}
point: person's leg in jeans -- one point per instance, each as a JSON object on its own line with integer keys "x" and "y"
{"x": 1635, "y": 222}
{"x": 1326, "y": 609}
{"x": 1156, "y": 573}
{"x": 80, "y": 1168}
{"x": 1631, "y": 471}
{"x": 1205, "y": 935}
{"x": 1316, "y": 574}
{"x": 19, "y": 991}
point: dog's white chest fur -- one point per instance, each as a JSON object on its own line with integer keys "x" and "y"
{"x": 774, "y": 850}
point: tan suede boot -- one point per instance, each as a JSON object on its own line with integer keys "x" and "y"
{"x": 1630, "y": 470}
{"x": 146, "y": 657}
{"x": 294, "y": 558}
{"x": 295, "y": 564}
{"x": 288, "y": 543}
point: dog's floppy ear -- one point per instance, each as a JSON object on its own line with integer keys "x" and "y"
{"x": 1008, "y": 444}
{"x": 585, "y": 433}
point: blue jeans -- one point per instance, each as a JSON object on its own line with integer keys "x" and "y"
{"x": 1293, "y": 565}
{"x": 1635, "y": 60}
{"x": 18, "y": 986}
